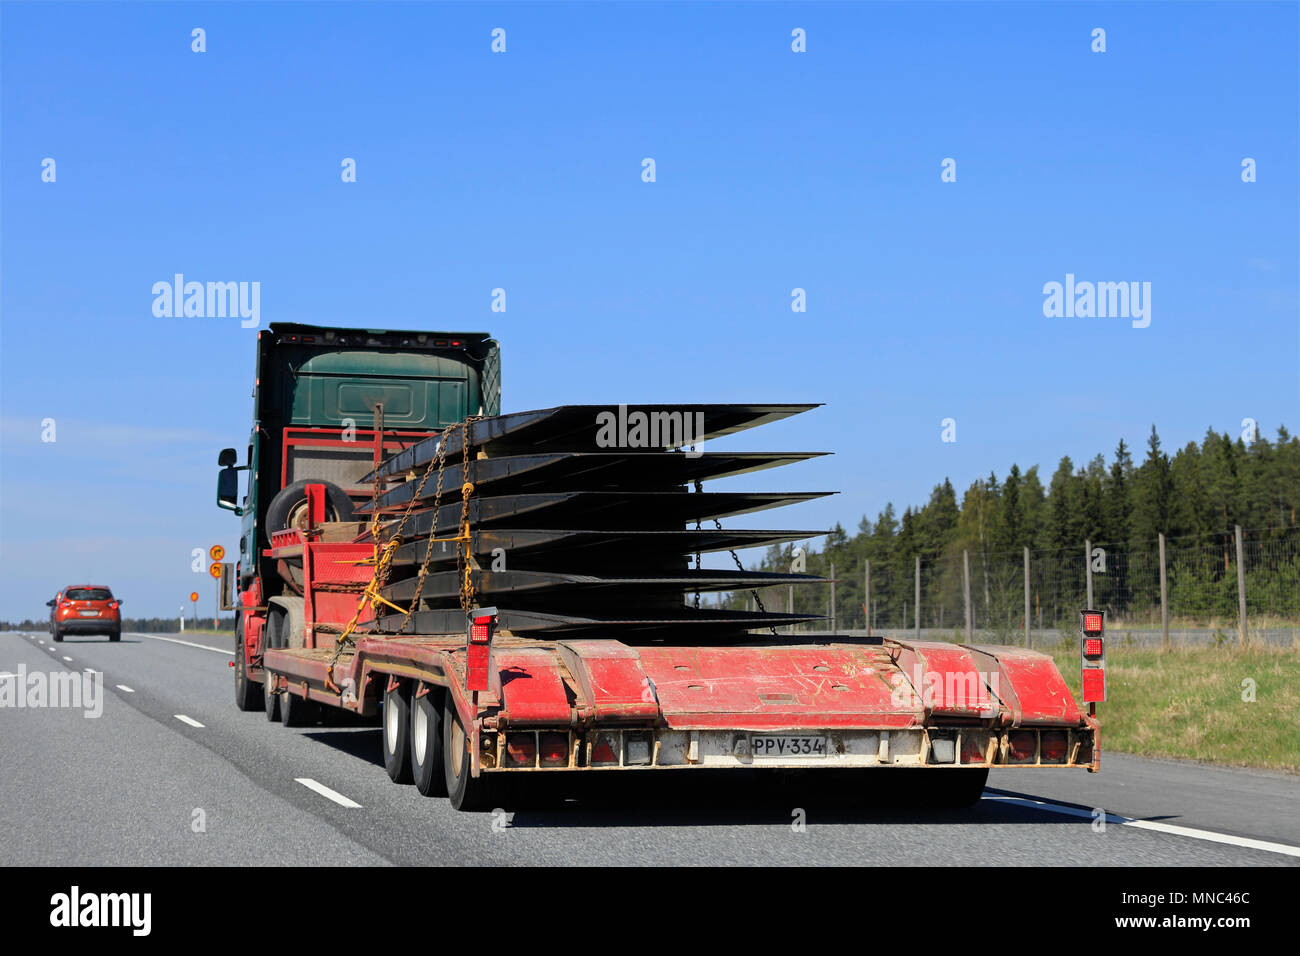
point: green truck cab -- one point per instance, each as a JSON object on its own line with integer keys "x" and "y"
{"x": 314, "y": 401}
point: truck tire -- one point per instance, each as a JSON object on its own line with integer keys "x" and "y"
{"x": 464, "y": 791}
{"x": 298, "y": 711}
{"x": 395, "y": 731}
{"x": 271, "y": 639}
{"x": 270, "y": 699}
{"x": 426, "y": 760}
{"x": 288, "y": 508}
{"x": 248, "y": 693}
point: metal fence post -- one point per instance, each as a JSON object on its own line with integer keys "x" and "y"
{"x": 1241, "y": 591}
{"x": 866, "y": 604}
{"x": 1028, "y": 639}
{"x": 917, "y": 615}
{"x": 1087, "y": 564}
{"x": 832, "y": 597}
{"x": 1164, "y": 598}
{"x": 965, "y": 558}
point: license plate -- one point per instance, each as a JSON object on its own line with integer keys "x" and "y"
{"x": 787, "y": 745}
{"x": 89, "y": 613}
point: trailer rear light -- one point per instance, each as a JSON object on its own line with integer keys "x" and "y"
{"x": 1021, "y": 746}
{"x": 636, "y": 749}
{"x": 521, "y": 750}
{"x": 555, "y": 750}
{"x": 1092, "y": 656}
{"x": 1053, "y": 746}
{"x": 603, "y": 752}
{"x": 972, "y": 749}
{"x": 478, "y": 648}
{"x": 943, "y": 749}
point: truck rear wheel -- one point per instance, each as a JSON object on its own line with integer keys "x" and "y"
{"x": 270, "y": 698}
{"x": 426, "y": 745}
{"x": 297, "y": 711}
{"x": 248, "y": 693}
{"x": 463, "y": 790}
{"x": 396, "y": 731}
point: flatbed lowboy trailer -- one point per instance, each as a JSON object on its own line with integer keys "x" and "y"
{"x": 507, "y": 595}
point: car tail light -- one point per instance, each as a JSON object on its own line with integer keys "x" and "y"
{"x": 1021, "y": 746}
{"x": 555, "y": 750}
{"x": 604, "y": 751}
{"x": 972, "y": 748}
{"x": 521, "y": 750}
{"x": 1053, "y": 745}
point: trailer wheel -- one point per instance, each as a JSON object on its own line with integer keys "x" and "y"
{"x": 426, "y": 745}
{"x": 395, "y": 732}
{"x": 464, "y": 791}
{"x": 248, "y": 693}
{"x": 298, "y": 711}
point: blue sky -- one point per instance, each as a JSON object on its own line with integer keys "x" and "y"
{"x": 522, "y": 170}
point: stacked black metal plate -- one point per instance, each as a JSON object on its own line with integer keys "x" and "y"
{"x": 585, "y": 520}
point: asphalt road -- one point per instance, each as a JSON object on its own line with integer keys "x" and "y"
{"x": 171, "y": 773}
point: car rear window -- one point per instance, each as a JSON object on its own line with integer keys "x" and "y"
{"x": 88, "y": 594}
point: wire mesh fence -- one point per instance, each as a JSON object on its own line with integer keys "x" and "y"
{"x": 988, "y": 593}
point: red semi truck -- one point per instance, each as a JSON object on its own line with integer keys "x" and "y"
{"x": 510, "y": 593}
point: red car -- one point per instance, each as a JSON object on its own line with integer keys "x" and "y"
{"x": 85, "y": 609}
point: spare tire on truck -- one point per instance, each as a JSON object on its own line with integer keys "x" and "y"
{"x": 288, "y": 509}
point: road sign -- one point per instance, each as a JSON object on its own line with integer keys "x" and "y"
{"x": 194, "y": 595}
{"x": 214, "y": 569}
{"x": 216, "y": 553}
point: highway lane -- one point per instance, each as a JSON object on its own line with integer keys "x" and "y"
{"x": 123, "y": 788}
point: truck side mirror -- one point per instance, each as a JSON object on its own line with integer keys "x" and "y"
{"x": 227, "y": 457}
{"x": 228, "y": 488}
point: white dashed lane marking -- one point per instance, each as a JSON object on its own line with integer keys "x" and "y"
{"x": 187, "y": 720}
{"x": 326, "y": 792}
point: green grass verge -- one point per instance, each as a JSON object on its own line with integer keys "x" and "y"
{"x": 1189, "y": 703}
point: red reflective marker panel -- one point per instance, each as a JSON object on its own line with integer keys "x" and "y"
{"x": 1092, "y": 655}
{"x": 482, "y": 624}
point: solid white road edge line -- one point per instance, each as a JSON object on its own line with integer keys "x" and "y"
{"x": 1208, "y": 835}
{"x": 187, "y": 720}
{"x": 172, "y": 640}
{"x": 326, "y": 792}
